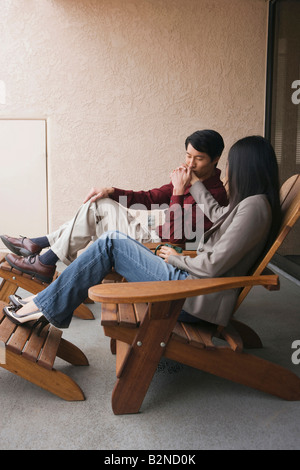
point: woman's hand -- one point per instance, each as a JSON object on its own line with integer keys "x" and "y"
{"x": 194, "y": 178}
{"x": 166, "y": 251}
{"x": 95, "y": 194}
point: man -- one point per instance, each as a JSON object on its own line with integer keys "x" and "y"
{"x": 112, "y": 209}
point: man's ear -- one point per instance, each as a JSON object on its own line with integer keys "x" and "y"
{"x": 216, "y": 160}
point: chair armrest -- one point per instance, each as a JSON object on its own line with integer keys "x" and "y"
{"x": 136, "y": 292}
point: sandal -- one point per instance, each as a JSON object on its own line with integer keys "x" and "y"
{"x": 17, "y": 301}
{"x": 11, "y": 312}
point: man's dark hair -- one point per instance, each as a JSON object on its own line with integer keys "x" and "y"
{"x": 206, "y": 141}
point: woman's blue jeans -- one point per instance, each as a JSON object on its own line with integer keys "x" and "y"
{"x": 130, "y": 258}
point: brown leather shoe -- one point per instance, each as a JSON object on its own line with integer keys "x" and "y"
{"x": 32, "y": 266}
{"x": 21, "y": 246}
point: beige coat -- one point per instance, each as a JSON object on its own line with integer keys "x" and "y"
{"x": 230, "y": 251}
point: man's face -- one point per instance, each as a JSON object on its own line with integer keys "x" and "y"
{"x": 200, "y": 163}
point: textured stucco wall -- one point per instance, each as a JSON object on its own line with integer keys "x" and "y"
{"x": 123, "y": 82}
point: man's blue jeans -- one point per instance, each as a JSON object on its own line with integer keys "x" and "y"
{"x": 130, "y": 259}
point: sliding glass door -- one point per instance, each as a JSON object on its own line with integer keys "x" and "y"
{"x": 283, "y": 98}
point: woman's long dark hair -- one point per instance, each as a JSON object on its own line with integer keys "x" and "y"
{"x": 253, "y": 169}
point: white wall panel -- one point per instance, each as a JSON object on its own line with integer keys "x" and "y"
{"x": 23, "y": 178}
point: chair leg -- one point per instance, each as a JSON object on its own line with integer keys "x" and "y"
{"x": 84, "y": 313}
{"x": 113, "y": 345}
{"x": 241, "y": 368}
{"x": 122, "y": 351}
{"x": 142, "y": 359}
{"x": 251, "y": 340}
{"x": 71, "y": 353}
{"x": 51, "y": 380}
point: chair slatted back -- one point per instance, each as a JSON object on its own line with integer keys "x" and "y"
{"x": 290, "y": 206}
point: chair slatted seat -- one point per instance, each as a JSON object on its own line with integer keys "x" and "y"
{"x": 199, "y": 335}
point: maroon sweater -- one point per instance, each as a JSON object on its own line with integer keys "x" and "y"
{"x": 182, "y": 209}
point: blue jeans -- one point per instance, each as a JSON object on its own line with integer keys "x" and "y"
{"x": 130, "y": 258}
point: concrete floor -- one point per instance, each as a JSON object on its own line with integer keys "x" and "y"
{"x": 184, "y": 409}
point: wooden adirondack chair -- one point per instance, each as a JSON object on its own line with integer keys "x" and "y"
{"x": 141, "y": 320}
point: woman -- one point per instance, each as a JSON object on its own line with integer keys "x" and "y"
{"x": 238, "y": 237}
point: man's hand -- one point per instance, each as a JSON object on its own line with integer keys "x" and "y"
{"x": 193, "y": 176}
{"x": 96, "y": 194}
{"x": 180, "y": 178}
{"x": 166, "y": 251}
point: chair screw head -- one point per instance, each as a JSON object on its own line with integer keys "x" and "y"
{"x": 163, "y": 344}
{"x": 139, "y": 343}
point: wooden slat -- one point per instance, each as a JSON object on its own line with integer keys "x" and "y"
{"x": 233, "y": 338}
{"x": 193, "y": 336}
{"x": 6, "y": 326}
{"x": 126, "y": 316}
{"x": 206, "y": 333}
{"x": 2, "y": 304}
{"x": 6, "y": 289}
{"x": 109, "y": 315}
{"x": 179, "y": 334}
{"x": 140, "y": 311}
{"x": 34, "y": 345}
{"x": 6, "y": 329}
{"x": 289, "y": 190}
{"x": 115, "y": 332}
{"x": 18, "y": 340}
{"x": 50, "y": 348}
